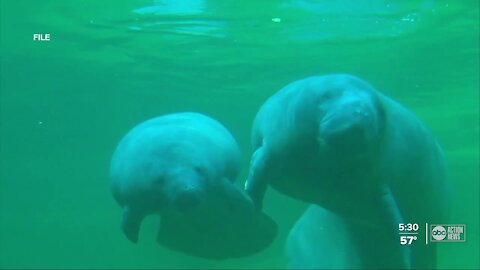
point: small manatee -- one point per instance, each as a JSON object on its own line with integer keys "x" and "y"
{"x": 182, "y": 167}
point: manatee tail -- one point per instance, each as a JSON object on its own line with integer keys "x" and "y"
{"x": 131, "y": 221}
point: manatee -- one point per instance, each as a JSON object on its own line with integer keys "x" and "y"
{"x": 320, "y": 239}
{"x": 182, "y": 167}
{"x": 336, "y": 142}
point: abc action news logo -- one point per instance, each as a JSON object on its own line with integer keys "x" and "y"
{"x": 447, "y": 233}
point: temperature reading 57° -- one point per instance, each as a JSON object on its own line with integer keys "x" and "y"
{"x": 407, "y": 239}
{"x": 408, "y": 233}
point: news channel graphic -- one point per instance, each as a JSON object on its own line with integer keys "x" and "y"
{"x": 447, "y": 233}
{"x": 411, "y": 233}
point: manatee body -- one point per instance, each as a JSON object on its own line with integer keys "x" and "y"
{"x": 336, "y": 142}
{"x": 320, "y": 239}
{"x": 182, "y": 167}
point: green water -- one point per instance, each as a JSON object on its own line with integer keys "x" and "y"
{"x": 112, "y": 64}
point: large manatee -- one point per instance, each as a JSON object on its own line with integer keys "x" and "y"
{"x": 336, "y": 142}
{"x": 182, "y": 167}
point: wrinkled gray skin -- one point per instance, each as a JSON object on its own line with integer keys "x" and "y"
{"x": 182, "y": 167}
{"x": 336, "y": 142}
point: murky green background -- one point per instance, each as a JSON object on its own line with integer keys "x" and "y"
{"x": 112, "y": 64}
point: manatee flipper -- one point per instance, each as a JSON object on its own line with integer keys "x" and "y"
{"x": 381, "y": 228}
{"x": 393, "y": 217}
{"x": 256, "y": 184}
{"x": 131, "y": 221}
{"x": 224, "y": 225}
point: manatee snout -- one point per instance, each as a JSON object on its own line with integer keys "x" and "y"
{"x": 185, "y": 189}
{"x": 187, "y": 198}
{"x": 348, "y": 127}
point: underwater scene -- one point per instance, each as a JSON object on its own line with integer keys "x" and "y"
{"x": 223, "y": 134}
